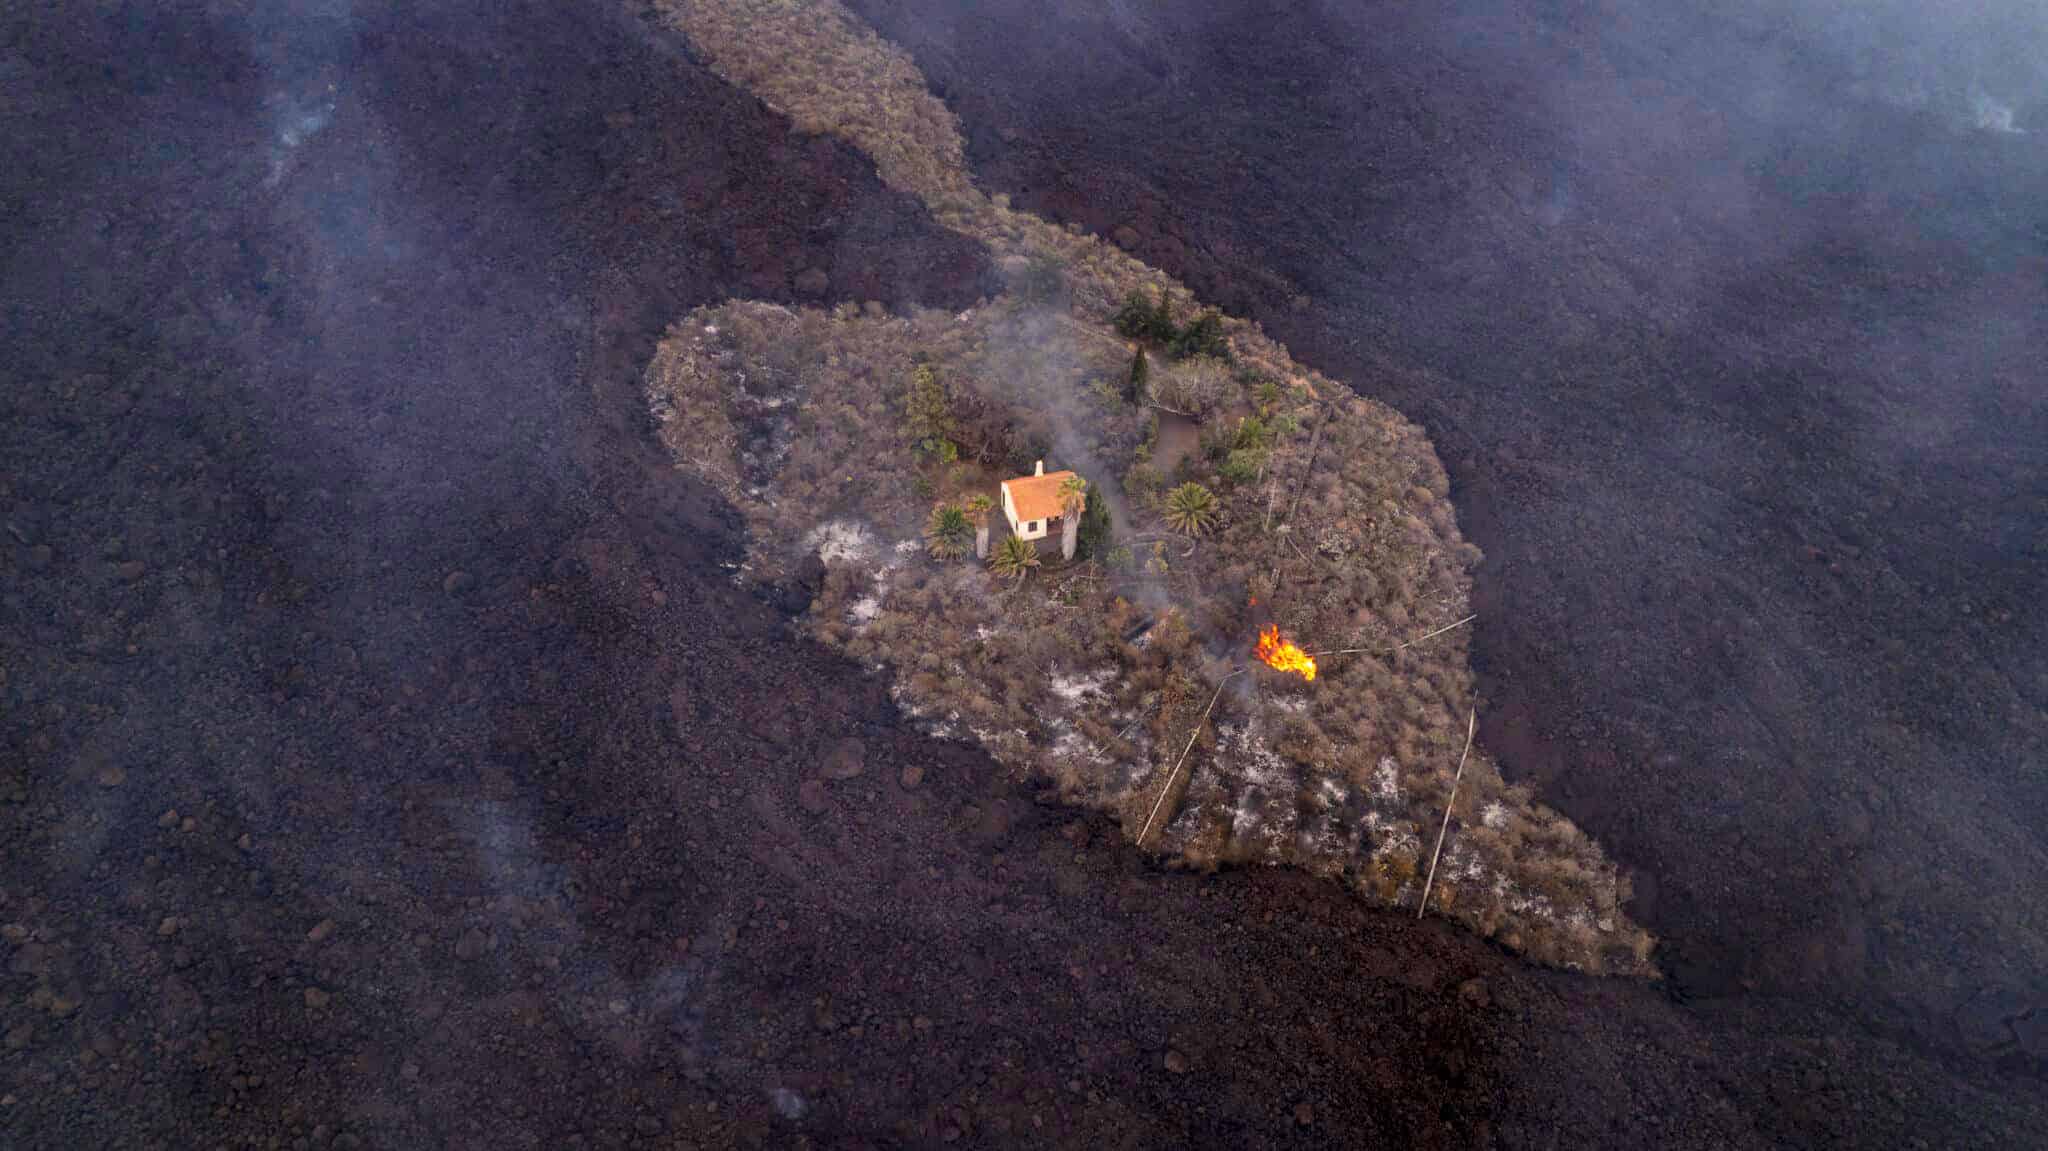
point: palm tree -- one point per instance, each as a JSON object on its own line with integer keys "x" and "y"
{"x": 978, "y": 509}
{"x": 1073, "y": 498}
{"x": 946, "y": 532}
{"x": 1014, "y": 558}
{"x": 1190, "y": 510}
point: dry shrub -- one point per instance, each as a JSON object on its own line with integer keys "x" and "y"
{"x": 1198, "y": 387}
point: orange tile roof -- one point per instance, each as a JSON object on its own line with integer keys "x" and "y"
{"x": 1037, "y": 497}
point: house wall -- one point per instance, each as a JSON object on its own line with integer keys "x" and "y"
{"x": 1018, "y": 527}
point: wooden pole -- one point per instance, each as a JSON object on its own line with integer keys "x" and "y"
{"x": 1471, "y": 724}
{"x": 1175, "y": 773}
{"x": 1402, "y": 647}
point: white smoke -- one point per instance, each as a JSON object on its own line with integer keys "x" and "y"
{"x": 1993, "y": 116}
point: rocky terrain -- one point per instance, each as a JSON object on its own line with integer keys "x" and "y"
{"x": 387, "y": 757}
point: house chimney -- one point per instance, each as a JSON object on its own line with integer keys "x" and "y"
{"x": 1040, "y": 470}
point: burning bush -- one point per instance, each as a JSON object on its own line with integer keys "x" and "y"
{"x": 1283, "y": 655}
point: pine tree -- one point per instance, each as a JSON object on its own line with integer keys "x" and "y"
{"x": 1095, "y": 527}
{"x": 1134, "y": 319}
{"x": 1135, "y": 383}
{"x": 1202, "y": 337}
{"x": 1142, "y": 318}
{"x": 1163, "y": 328}
{"x": 928, "y": 417}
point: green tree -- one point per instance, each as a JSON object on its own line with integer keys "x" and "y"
{"x": 1134, "y": 320}
{"x": 928, "y": 417}
{"x": 978, "y": 509}
{"x": 1095, "y": 526}
{"x": 1073, "y": 498}
{"x": 1191, "y": 509}
{"x": 1014, "y": 558}
{"x": 1141, "y": 319}
{"x": 1202, "y": 337}
{"x": 1241, "y": 465}
{"x": 1163, "y": 328}
{"x": 947, "y": 532}
{"x": 1073, "y": 494}
{"x": 1134, "y": 384}
{"x": 1253, "y": 433}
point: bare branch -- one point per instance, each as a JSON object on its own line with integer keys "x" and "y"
{"x": 1398, "y": 647}
{"x": 1175, "y": 773}
{"x": 1315, "y": 444}
{"x": 1471, "y": 725}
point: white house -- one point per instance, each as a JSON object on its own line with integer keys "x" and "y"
{"x": 1032, "y": 503}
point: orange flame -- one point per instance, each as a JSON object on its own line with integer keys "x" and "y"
{"x": 1281, "y": 654}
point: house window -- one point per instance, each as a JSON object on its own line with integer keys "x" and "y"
{"x": 1032, "y": 526}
